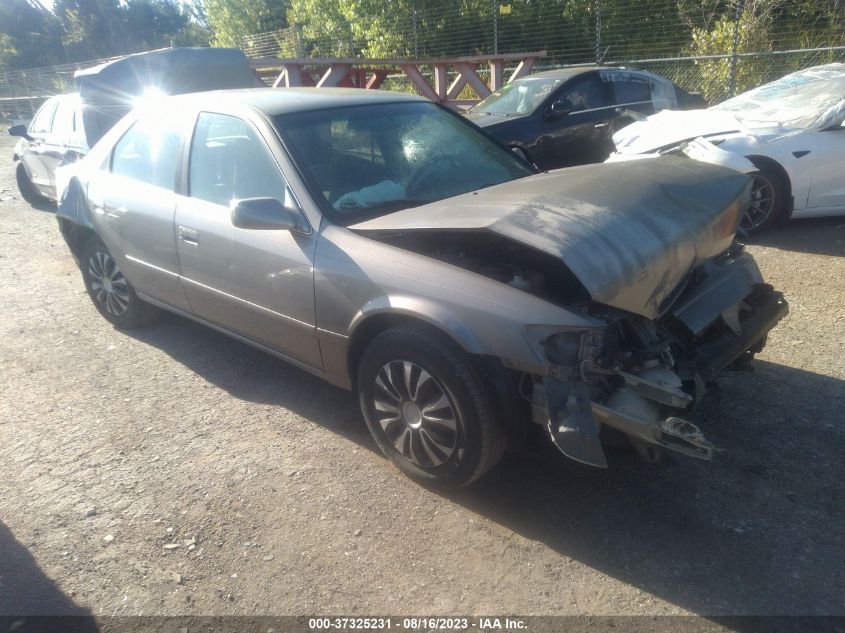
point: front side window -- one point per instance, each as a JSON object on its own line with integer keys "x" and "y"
{"x": 584, "y": 94}
{"x": 370, "y": 160}
{"x": 229, "y": 160}
{"x": 44, "y": 117}
{"x": 149, "y": 151}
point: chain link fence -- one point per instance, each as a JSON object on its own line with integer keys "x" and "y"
{"x": 714, "y": 47}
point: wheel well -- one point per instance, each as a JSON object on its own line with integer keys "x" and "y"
{"x": 504, "y": 382}
{"x": 74, "y": 234}
{"x": 375, "y": 325}
{"x": 776, "y": 166}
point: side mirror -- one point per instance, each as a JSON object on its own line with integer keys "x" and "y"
{"x": 560, "y": 108}
{"x": 19, "y": 130}
{"x": 266, "y": 213}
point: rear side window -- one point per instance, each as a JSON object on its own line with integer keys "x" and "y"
{"x": 149, "y": 151}
{"x": 632, "y": 90}
{"x": 229, "y": 160}
{"x": 64, "y": 122}
{"x": 663, "y": 94}
{"x": 44, "y": 117}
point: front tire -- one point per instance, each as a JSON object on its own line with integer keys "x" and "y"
{"x": 426, "y": 406}
{"x": 28, "y": 190}
{"x": 111, "y": 293}
{"x": 769, "y": 193}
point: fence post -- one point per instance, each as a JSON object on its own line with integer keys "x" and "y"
{"x": 414, "y": 14}
{"x": 598, "y": 31}
{"x": 297, "y": 40}
{"x": 732, "y": 79}
{"x": 495, "y": 4}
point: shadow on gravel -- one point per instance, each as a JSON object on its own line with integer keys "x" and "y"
{"x": 26, "y": 591}
{"x": 819, "y": 236}
{"x": 249, "y": 374}
{"x": 757, "y": 531}
{"x": 760, "y": 530}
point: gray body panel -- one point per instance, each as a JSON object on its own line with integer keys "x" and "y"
{"x": 630, "y": 235}
{"x": 357, "y": 278}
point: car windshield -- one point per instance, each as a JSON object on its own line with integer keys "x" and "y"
{"x": 519, "y": 97}
{"x": 810, "y": 98}
{"x": 371, "y": 160}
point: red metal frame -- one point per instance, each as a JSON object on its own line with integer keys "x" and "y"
{"x": 371, "y": 73}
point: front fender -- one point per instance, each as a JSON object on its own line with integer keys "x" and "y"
{"x": 422, "y": 309}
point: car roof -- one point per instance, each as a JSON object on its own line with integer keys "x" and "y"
{"x": 573, "y": 71}
{"x": 274, "y": 101}
{"x": 570, "y": 72}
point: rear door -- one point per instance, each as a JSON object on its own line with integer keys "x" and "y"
{"x": 631, "y": 91}
{"x": 582, "y": 135}
{"x": 256, "y": 283}
{"x": 632, "y": 97}
{"x": 32, "y": 158}
{"x": 134, "y": 202}
{"x": 57, "y": 142}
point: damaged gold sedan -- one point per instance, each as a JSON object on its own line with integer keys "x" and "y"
{"x": 387, "y": 245}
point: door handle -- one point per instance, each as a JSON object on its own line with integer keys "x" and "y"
{"x": 601, "y": 124}
{"x": 108, "y": 210}
{"x": 188, "y": 236}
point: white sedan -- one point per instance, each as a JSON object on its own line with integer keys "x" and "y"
{"x": 791, "y": 131}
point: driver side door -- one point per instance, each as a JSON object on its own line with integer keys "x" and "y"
{"x": 256, "y": 283}
{"x": 583, "y": 135}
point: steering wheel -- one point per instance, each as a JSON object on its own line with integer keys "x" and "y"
{"x": 434, "y": 169}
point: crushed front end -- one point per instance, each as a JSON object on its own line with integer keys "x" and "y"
{"x": 641, "y": 376}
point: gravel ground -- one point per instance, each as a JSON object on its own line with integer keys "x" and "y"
{"x": 172, "y": 470}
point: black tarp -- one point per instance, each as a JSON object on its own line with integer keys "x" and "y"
{"x": 111, "y": 90}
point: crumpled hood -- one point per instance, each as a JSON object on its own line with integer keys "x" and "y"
{"x": 630, "y": 232}
{"x": 669, "y": 127}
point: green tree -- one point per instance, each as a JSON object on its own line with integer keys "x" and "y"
{"x": 7, "y": 51}
{"x": 92, "y": 29}
{"x": 233, "y": 20}
{"x": 32, "y": 35}
{"x": 151, "y": 24}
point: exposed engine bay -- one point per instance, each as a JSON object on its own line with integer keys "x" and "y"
{"x": 636, "y": 375}
{"x": 498, "y": 258}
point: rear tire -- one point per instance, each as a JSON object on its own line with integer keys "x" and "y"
{"x": 26, "y": 187}
{"x": 769, "y": 194}
{"x": 426, "y": 406}
{"x": 111, "y": 293}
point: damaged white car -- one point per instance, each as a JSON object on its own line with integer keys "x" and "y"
{"x": 789, "y": 134}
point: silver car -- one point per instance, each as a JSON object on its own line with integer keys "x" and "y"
{"x": 384, "y": 243}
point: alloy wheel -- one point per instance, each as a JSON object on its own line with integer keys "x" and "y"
{"x": 762, "y": 203}
{"x": 109, "y": 286}
{"x": 415, "y": 414}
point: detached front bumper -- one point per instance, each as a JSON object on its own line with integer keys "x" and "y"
{"x": 648, "y": 405}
